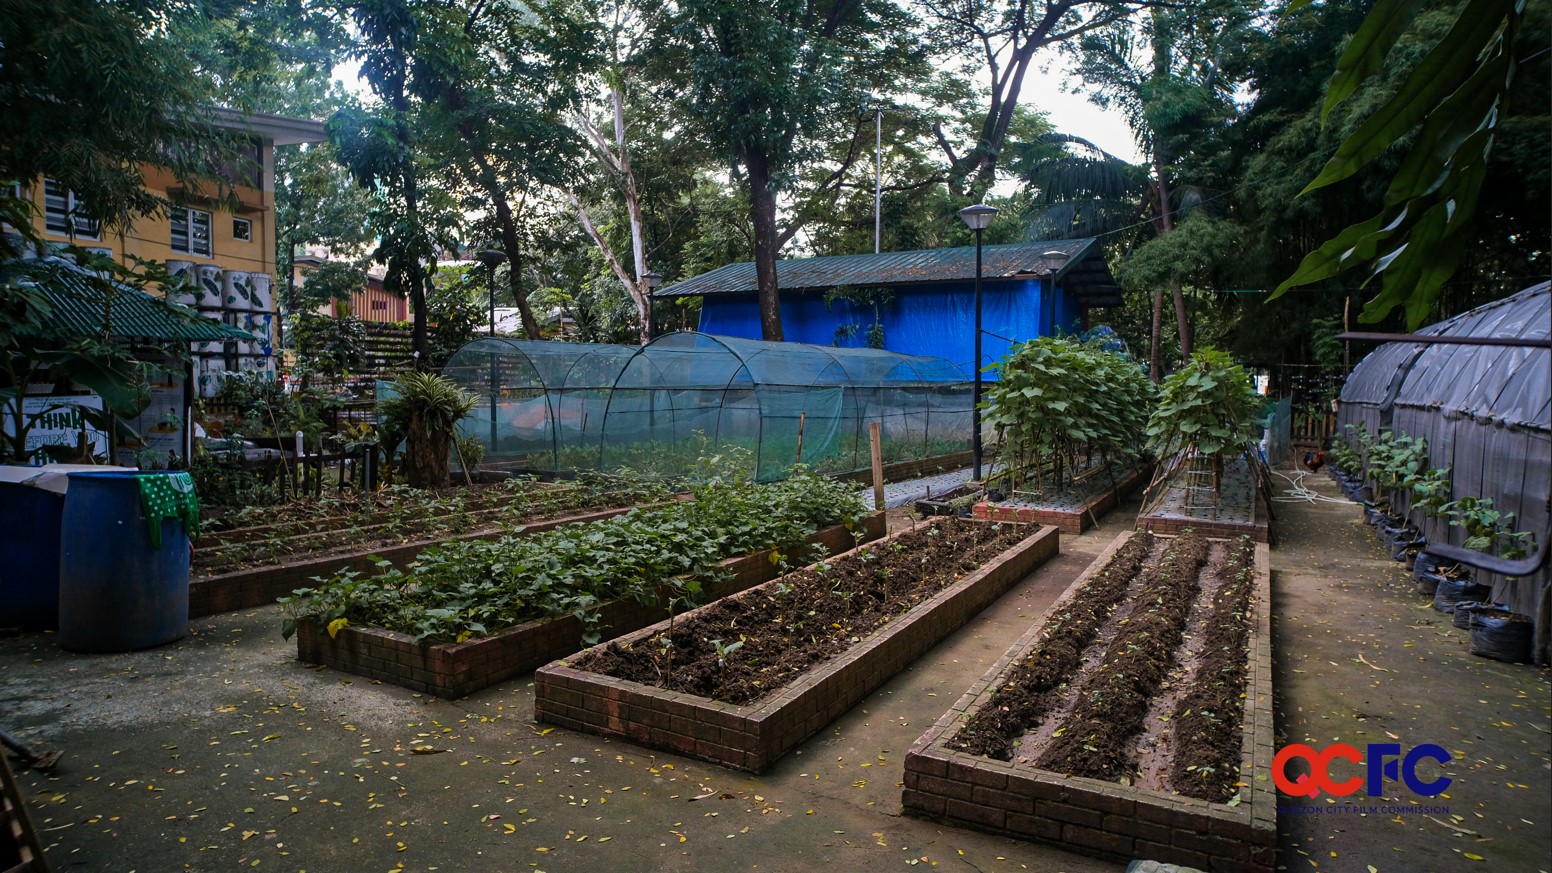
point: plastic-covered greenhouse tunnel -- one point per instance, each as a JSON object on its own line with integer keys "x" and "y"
{"x": 1486, "y": 413}
{"x": 658, "y": 408}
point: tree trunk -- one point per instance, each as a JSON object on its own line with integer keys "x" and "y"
{"x": 1182, "y": 323}
{"x": 416, "y": 274}
{"x": 641, "y": 292}
{"x": 1167, "y": 225}
{"x": 763, "y": 208}
{"x": 1155, "y": 370}
{"x": 511, "y": 243}
{"x": 617, "y": 157}
{"x": 426, "y": 456}
{"x": 514, "y": 249}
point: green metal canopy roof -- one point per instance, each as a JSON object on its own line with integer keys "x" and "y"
{"x": 77, "y": 300}
{"x": 1077, "y": 265}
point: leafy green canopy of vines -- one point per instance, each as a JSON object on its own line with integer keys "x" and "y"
{"x": 1057, "y": 397}
{"x": 1207, "y": 408}
{"x": 460, "y": 590}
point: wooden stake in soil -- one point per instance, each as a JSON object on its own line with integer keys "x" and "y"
{"x": 802, "y": 416}
{"x": 875, "y": 446}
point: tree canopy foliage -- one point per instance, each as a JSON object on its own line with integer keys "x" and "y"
{"x": 1386, "y": 156}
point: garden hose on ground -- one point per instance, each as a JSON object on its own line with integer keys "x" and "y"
{"x": 1300, "y": 494}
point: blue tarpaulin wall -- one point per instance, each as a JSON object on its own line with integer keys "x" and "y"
{"x": 937, "y": 320}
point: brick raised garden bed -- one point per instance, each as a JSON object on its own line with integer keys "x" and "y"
{"x": 458, "y": 669}
{"x": 904, "y": 471}
{"x": 753, "y": 736}
{"x": 260, "y": 586}
{"x": 1241, "y": 509}
{"x": 1098, "y": 817}
{"x": 1070, "y": 520}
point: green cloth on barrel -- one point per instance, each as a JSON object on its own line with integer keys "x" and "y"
{"x": 169, "y": 495}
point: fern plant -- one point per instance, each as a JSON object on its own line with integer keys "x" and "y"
{"x": 425, "y": 408}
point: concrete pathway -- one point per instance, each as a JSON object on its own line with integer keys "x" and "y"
{"x": 1363, "y": 658}
{"x": 222, "y": 751}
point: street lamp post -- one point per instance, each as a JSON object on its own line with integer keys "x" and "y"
{"x": 977, "y": 217}
{"x": 492, "y": 258}
{"x": 653, "y": 280}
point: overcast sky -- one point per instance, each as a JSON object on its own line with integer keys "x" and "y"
{"x": 1074, "y": 114}
{"x": 1042, "y": 90}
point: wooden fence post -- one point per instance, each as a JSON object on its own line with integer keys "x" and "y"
{"x": 875, "y": 446}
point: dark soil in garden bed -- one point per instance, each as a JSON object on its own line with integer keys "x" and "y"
{"x": 745, "y": 647}
{"x": 233, "y": 524}
{"x": 1095, "y": 479}
{"x": 356, "y": 524}
{"x": 1148, "y": 693}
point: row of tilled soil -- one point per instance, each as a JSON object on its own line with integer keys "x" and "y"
{"x": 741, "y": 649}
{"x": 1078, "y": 701}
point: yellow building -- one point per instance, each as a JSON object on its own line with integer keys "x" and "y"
{"x": 227, "y": 254}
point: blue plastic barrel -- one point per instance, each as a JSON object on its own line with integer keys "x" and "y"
{"x": 29, "y": 557}
{"x": 117, "y": 591}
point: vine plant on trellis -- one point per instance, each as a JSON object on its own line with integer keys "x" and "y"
{"x": 1206, "y": 414}
{"x": 1057, "y": 398}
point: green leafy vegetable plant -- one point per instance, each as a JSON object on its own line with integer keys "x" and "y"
{"x": 460, "y": 590}
{"x": 1057, "y": 399}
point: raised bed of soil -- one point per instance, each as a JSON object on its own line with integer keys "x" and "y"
{"x": 1115, "y": 726}
{"x": 812, "y": 644}
{"x": 260, "y": 586}
{"x": 458, "y": 669}
{"x": 1239, "y": 510}
{"x": 354, "y": 522}
{"x": 1073, "y": 510}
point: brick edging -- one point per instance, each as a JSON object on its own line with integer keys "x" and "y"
{"x": 1070, "y": 521}
{"x": 1106, "y": 818}
{"x": 459, "y": 669}
{"x": 901, "y": 471}
{"x": 260, "y": 586}
{"x": 1171, "y": 525}
{"x": 752, "y": 737}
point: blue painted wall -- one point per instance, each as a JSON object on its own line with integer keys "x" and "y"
{"x": 937, "y": 320}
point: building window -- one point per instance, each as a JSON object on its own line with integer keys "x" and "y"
{"x": 242, "y": 230}
{"x": 379, "y": 305}
{"x": 191, "y": 231}
{"x": 63, "y": 213}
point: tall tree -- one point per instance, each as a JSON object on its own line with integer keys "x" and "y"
{"x": 613, "y": 152}
{"x": 1172, "y": 75}
{"x": 765, "y": 83}
{"x": 1003, "y": 37}
{"x": 95, "y": 91}
{"x": 380, "y": 150}
{"x": 499, "y": 81}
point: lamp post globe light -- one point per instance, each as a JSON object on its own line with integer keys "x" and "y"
{"x": 492, "y": 258}
{"x": 976, "y": 218}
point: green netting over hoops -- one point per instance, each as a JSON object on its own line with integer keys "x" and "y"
{"x": 539, "y": 401}
{"x": 660, "y": 407}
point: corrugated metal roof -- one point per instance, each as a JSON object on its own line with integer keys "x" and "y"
{"x": 77, "y": 303}
{"x": 1092, "y": 283}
